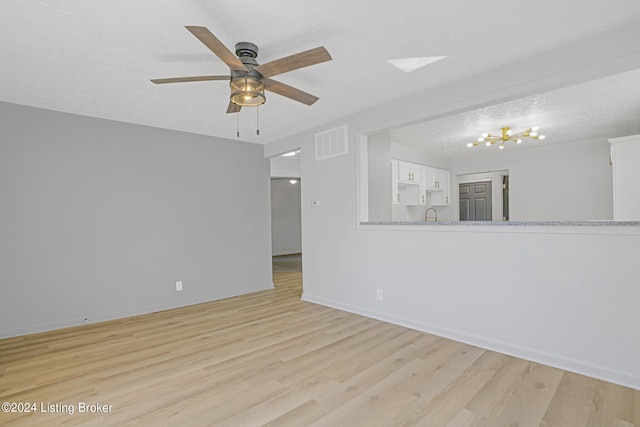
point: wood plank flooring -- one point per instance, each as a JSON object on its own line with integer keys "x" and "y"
{"x": 270, "y": 359}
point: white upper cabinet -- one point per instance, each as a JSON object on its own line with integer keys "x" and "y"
{"x": 419, "y": 183}
{"x": 442, "y": 197}
{"x": 408, "y": 173}
{"x": 435, "y": 179}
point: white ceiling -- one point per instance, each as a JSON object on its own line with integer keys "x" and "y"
{"x": 603, "y": 108}
{"x": 96, "y": 57}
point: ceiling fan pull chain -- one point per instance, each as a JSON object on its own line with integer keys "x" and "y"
{"x": 238, "y": 124}
{"x": 257, "y": 121}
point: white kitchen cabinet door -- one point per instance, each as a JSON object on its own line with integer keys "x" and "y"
{"x": 442, "y": 197}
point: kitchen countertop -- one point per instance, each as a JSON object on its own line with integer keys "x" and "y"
{"x": 510, "y": 223}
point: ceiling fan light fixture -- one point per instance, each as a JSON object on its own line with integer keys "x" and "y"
{"x": 247, "y": 91}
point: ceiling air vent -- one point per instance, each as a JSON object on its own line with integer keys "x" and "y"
{"x": 331, "y": 143}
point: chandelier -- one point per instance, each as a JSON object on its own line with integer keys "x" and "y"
{"x": 507, "y": 135}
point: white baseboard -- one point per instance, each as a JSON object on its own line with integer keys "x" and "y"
{"x": 103, "y": 317}
{"x": 556, "y": 361}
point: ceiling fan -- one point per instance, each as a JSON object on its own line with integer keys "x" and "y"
{"x": 248, "y": 79}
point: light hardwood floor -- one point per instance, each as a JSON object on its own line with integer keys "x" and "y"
{"x": 270, "y": 359}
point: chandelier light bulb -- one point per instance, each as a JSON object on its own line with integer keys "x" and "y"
{"x": 470, "y": 144}
{"x": 518, "y": 141}
{"x": 534, "y": 134}
{"x": 484, "y": 135}
{"x": 502, "y": 146}
{"x": 534, "y": 129}
{"x": 541, "y": 137}
{"x": 480, "y": 139}
{"x": 488, "y": 143}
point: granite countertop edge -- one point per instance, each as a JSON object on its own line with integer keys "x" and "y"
{"x": 511, "y": 223}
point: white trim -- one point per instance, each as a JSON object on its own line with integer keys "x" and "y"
{"x": 470, "y": 181}
{"x": 45, "y": 327}
{"x": 362, "y": 178}
{"x": 555, "y": 361}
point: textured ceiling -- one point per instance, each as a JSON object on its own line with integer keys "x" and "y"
{"x": 96, "y": 57}
{"x": 604, "y": 108}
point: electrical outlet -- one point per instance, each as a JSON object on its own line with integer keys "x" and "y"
{"x": 178, "y": 285}
{"x": 379, "y": 294}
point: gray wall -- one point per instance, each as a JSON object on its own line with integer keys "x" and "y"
{"x": 286, "y": 217}
{"x": 563, "y": 182}
{"x": 99, "y": 219}
{"x": 285, "y": 167}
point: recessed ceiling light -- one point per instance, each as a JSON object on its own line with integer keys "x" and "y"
{"x": 411, "y": 64}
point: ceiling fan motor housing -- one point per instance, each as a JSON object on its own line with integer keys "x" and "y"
{"x": 246, "y": 49}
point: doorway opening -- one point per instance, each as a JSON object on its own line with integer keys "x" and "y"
{"x": 505, "y": 198}
{"x": 286, "y": 225}
{"x": 483, "y": 196}
{"x": 286, "y": 219}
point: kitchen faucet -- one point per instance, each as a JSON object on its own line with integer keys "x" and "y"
{"x": 427, "y": 217}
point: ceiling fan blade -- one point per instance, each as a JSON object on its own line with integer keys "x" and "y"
{"x": 216, "y": 46}
{"x": 288, "y": 91}
{"x": 233, "y": 108}
{"x": 190, "y": 79}
{"x": 293, "y": 62}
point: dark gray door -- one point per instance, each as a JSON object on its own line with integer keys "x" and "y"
{"x": 475, "y": 201}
